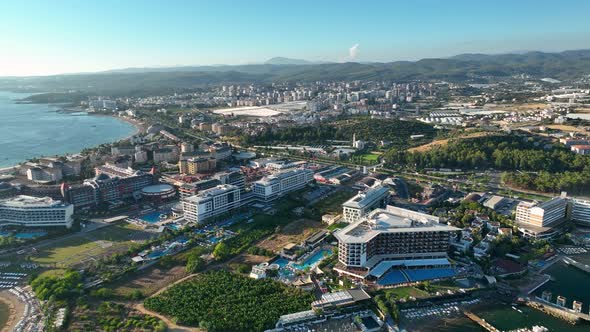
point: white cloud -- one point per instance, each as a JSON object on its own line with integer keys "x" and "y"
{"x": 353, "y": 52}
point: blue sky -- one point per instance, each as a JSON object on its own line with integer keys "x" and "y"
{"x": 60, "y": 36}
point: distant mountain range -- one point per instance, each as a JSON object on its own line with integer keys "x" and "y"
{"x": 288, "y": 61}
{"x": 477, "y": 68}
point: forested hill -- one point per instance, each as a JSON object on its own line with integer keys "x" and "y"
{"x": 398, "y": 132}
{"x": 502, "y": 152}
{"x": 462, "y": 68}
{"x": 527, "y": 163}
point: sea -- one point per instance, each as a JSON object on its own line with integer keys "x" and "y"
{"x": 34, "y": 130}
{"x": 566, "y": 280}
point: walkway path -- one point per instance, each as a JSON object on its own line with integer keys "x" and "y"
{"x": 171, "y": 325}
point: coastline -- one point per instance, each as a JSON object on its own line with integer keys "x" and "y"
{"x": 139, "y": 126}
{"x": 15, "y": 310}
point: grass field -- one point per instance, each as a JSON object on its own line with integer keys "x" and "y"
{"x": 565, "y": 128}
{"x": 370, "y": 157}
{"x": 333, "y": 203}
{"x": 405, "y": 292}
{"x": 88, "y": 246}
{"x": 525, "y": 107}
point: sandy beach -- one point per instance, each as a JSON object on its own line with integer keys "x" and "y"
{"x": 16, "y": 309}
{"x": 139, "y": 126}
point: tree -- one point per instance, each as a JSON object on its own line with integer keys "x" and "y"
{"x": 221, "y": 251}
{"x": 194, "y": 264}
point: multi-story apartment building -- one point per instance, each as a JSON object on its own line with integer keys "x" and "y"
{"x": 192, "y": 166}
{"x": 211, "y": 202}
{"x": 580, "y": 211}
{"x": 274, "y": 186}
{"x": 111, "y": 184}
{"x": 537, "y": 219}
{"x": 392, "y": 234}
{"x": 31, "y": 211}
{"x": 237, "y": 178}
{"x": 191, "y": 189}
{"x": 364, "y": 202}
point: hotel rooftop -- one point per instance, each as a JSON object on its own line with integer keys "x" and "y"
{"x": 267, "y": 180}
{"x": 363, "y": 199}
{"x": 209, "y": 193}
{"x": 24, "y": 201}
{"x": 390, "y": 220}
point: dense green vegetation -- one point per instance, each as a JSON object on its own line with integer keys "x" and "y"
{"x": 530, "y": 164}
{"x": 222, "y": 301}
{"x": 239, "y": 243}
{"x": 194, "y": 263}
{"x": 461, "y": 214}
{"x": 501, "y": 152}
{"x": 577, "y": 183}
{"x": 396, "y": 131}
{"x": 387, "y": 305}
{"x": 58, "y": 287}
{"x": 116, "y": 317}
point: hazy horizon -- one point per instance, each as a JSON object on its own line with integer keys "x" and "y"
{"x": 45, "y": 38}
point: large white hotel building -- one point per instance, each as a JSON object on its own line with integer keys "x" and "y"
{"x": 537, "y": 220}
{"x": 211, "y": 202}
{"x": 389, "y": 236}
{"x": 580, "y": 211}
{"x": 364, "y": 202}
{"x": 31, "y": 211}
{"x": 279, "y": 184}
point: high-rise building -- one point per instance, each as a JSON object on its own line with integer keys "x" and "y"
{"x": 211, "y": 202}
{"x": 279, "y": 184}
{"x": 31, "y": 211}
{"x": 580, "y": 211}
{"x": 392, "y": 234}
{"x": 236, "y": 178}
{"x": 537, "y": 220}
{"x": 364, "y": 202}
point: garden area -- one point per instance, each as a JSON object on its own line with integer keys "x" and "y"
{"x": 223, "y": 301}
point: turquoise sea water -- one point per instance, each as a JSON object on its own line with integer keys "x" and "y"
{"x": 34, "y": 130}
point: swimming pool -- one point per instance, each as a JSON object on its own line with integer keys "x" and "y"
{"x": 281, "y": 262}
{"x": 174, "y": 226}
{"x": 29, "y": 235}
{"x": 156, "y": 254}
{"x": 152, "y": 217}
{"x": 314, "y": 259}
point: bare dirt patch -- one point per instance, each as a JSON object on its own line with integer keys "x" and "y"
{"x": 519, "y": 107}
{"x": 151, "y": 280}
{"x": 294, "y": 232}
{"x": 444, "y": 142}
{"x": 249, "y": 259}
{"x": 565, "y": 128}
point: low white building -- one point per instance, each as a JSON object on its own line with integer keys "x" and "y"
{"x": 31, "y": 211}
